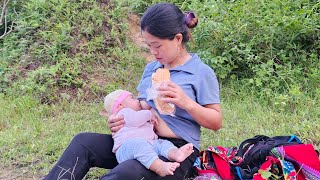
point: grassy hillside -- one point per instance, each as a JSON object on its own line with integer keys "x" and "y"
{"x": 64, "y": 49}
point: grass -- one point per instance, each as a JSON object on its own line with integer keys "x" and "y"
{"x": 33, "y": 135}
{"x": 246, "y": 116}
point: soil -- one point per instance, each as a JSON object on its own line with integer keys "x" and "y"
{"x": 135, "y": 35}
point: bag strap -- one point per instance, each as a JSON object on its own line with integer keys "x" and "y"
{"x": 262, "y": 146}
{"x": 246, "y": 144}
{"x": 265, "y": 144}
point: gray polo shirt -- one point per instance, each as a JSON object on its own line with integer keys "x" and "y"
{"x": 198, "y": 81}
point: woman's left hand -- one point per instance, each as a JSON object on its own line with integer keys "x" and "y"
{"x": 172, "y": 93}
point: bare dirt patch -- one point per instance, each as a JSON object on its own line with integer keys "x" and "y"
{"x": 135, "y": 35}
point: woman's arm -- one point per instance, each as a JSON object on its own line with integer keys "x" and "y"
{"x": 209, "y": 116}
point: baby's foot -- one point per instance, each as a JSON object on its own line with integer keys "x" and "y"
{"x": 168, "y": 168}
{"x": 164, "y": 168}
{"x": 181, "y": 153}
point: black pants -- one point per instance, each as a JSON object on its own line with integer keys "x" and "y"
{"x": 88, "y": 150}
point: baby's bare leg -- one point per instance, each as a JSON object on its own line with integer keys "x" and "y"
{"x": 180, "y": 154}
{"x": 163, "y": 168}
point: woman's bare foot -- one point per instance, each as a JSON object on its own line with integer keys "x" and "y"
{"x": 164, "y": 168}
{"x": 181, "y": 153}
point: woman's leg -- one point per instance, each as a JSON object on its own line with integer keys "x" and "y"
{"x": 134, "y": 170}
{"x": 129, "y": 170}
{"x": 86, "y": 150}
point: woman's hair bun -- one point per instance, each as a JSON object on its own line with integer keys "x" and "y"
{"x": 191, "y": 20}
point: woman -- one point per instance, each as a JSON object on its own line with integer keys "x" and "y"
{"x": 193, "y": 89}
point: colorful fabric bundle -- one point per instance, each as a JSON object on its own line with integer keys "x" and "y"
{"x": 214, "y": 162}
{"x": 274, "y": 168}
{"x": 304, "y": 158}
{"x": 260, "y": 158}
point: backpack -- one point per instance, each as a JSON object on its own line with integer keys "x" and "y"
{"x": 254, "y": 152}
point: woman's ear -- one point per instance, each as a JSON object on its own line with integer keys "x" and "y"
{"x": 179, "y": 37}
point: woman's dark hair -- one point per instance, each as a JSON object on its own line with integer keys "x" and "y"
{"x": 165, "y": 20}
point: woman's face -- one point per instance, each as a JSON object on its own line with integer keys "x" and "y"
{"x": 164, "y": 50}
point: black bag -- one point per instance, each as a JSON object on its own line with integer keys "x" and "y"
{"x": 254, "y": 152}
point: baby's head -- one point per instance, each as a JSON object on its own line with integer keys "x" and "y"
{"x": 119, "y": 99}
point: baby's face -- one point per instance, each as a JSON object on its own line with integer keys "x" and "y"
{"x": 130, "y": 102}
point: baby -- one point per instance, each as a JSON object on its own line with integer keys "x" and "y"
{"x": 137, "y": 139}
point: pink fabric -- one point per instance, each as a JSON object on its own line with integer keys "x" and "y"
{"x": 137, "y": 125}
{"x": 223, "y": 167}
{"x": 306, "y": 158}
{"x": 222, "y": 157}
{"x": 119, "y": 100}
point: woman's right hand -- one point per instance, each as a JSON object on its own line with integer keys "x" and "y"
{"x": 114, "y": 122}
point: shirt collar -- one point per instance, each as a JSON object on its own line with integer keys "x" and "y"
{"x": 188, "y": 67}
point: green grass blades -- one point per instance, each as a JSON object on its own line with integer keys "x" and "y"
{"x": 34, "y": 135}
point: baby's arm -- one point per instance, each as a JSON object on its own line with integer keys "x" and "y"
{"x": 160, "y": 127}
{"x": 136, "y": 118}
